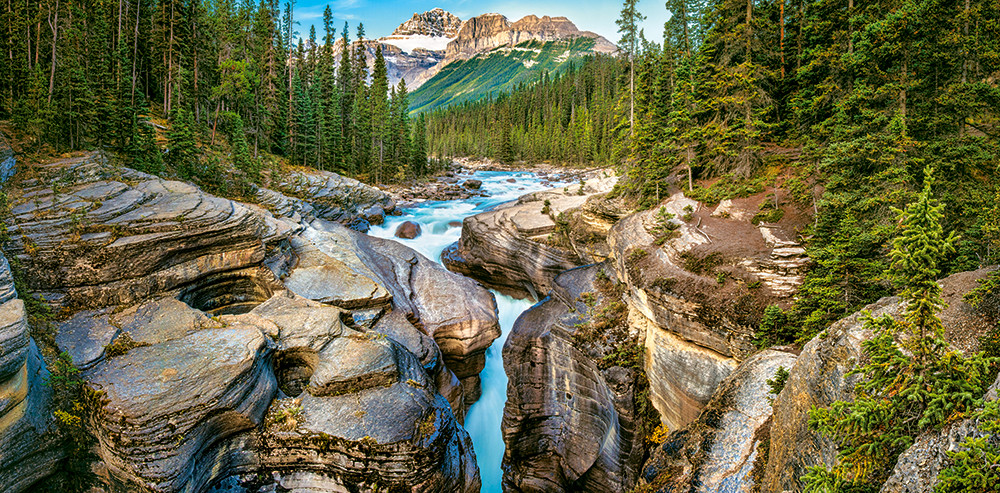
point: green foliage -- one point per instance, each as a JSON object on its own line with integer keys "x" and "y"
{"x": 563, "y": 116}
{"x": 727, "y": 187}
{"x": 777, "y": 384}
{"x": 917, "y": 254}
{"x": 182, "y": 150}
{"x": 663, "y": 228}
{"x": 121, "y": 345}
{"x": 769, "y": 213}
{"x": 976, "y": 465}
{"x": 774, "y": 328}
{"x": 905, "y": 387}
{"x": 898, "y": 397}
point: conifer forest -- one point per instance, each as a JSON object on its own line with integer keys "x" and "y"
{"x": 755, "y": 251}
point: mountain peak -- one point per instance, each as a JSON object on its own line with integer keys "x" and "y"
{"x": 435, "y": 22}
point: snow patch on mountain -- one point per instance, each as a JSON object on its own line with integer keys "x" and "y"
{"x": 412, "y": 42}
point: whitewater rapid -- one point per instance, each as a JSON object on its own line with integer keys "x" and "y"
{"x": 440, "y": 222}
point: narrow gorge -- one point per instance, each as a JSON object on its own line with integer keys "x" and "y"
{"x": 738, "y": 246}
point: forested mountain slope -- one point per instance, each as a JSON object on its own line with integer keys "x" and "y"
{"x": 498, "y": 70}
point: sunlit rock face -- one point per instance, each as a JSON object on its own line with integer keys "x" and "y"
{"x": 819, "y": 377}
{"x": 232, "y": 345}
{"x": 720, "y": 449}
{"x": 698, "y": 280}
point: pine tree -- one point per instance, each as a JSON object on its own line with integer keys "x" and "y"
{"x": 917, "y": 254}
{"x": 628, "y": 26}
{"x": 418, "y": 152}
{"x": 905, "y": 388}
{"x": 380, "y": 118}
{"x": 182, "y": 150}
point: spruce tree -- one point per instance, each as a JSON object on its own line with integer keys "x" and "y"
{"x": 905, "y": 387}
{"x": 182, "y": 151}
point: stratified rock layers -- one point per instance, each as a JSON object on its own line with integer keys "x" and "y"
{"x": 568, "y": 424}
{"x": 181, "y": 309}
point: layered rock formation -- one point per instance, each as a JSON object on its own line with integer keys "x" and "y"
{"x": 719, "y": 450}
{"x": 489, "y": 31}
{"x": 28, "y": 449}
{"x": 521, "y": 247}
{"x": 570, "y": 423}
{"x": 819, "y": 378}
{"x": 700, "y": 292}
{"x": 328, "y": 196}
{"x": 181, "y": 308}
{"x": 434, "y": 22}
{"x": 73, "y": 226}
{"x": 420, "y": 47}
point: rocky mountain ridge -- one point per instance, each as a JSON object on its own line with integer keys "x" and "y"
{"x": 426, "y": 43}
{"x": 434, "y": 22}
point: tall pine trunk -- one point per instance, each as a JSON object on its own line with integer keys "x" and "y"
{"x": 54, "y": 24}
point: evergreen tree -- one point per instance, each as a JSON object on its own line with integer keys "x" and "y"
{"x": 380, "y": 118}
{"x": 182, "y": 151}
{"x": 904, "y": 389}
{"x": 628, "y": 26}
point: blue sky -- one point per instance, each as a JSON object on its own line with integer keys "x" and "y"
{"x": 380, "y": 17}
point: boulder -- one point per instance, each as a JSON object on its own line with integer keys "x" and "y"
{"x": 472, "y": 184}
{"x": 719, "y": 450}
{"x": 819, "y": 377}
{"x": 408, "y": 230}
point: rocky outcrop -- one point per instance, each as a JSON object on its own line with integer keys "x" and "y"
{"x": 366, "y": 413}
{"x": 28, "y": 452}
{"x": 570, "y": 421}
{"x": 719, "y": 450}
{"x": 547, "y": 28}
{"x": 489, "y": 31}
{"x": 434, "y": 22}
{"x": 699, "y": 281}
{"x": 455, "y": 311}
{"x": 72, "y": 228}
{"x": 330, "y": 196}
{"x": 519, "y": 248}
{"x": 819, "y": 378}
{"x": 481, "y": 33}
{"x": 210, "y": 370}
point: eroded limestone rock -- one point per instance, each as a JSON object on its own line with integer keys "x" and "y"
{"x": 719, "y": 450}
{"x": 518, "y": 248}
{"x": 819, "y": 378}
{"x": 90, "y": 235}
{"x": 568, "y": 424}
